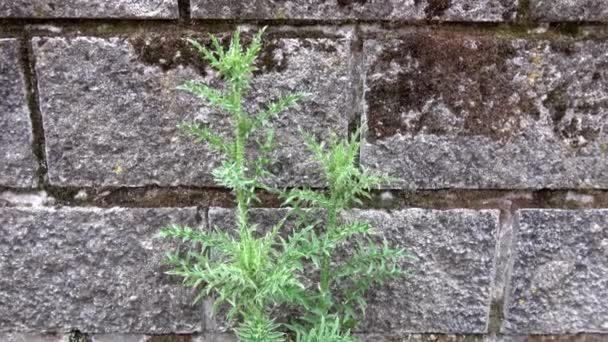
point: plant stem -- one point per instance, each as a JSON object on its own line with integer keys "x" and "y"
{"x": 239, "y": 158}
{"x": 326, "y": 260}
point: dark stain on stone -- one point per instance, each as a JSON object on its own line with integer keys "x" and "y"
{"x": 169, "y": 52}
{"x": 468, "y": 74}
{"x": 344, "y": 3}
{"x": 317, "y": 45}
{"x": 171, "y": 338}
{"x": 270, "y": 58}
{"x": 510, "y": 9}
{"x": 566, "y": 46}
{"x": 575, "y": 131}
{"x": 557, "y": 103}
{"x": 77, "y": 336}
{"x": 436, "y": 8}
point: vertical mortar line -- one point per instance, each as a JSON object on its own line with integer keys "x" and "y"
{"x": 38, "y": 138}
{"x": 184, "y": 10}
{"x": 356, "y": 70}
{"x": 502, "y": 265}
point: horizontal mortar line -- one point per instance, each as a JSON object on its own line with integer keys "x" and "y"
{"x": 158, "y": 197}
{"x": 124, "y": 25}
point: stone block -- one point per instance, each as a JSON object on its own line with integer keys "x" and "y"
{"x": 18, "y": 166}
{"x": 92, "y": 270}
{"x": 477, "y": 111}
{"x": 569, "y": 10}
{"x": 157, "y": 9}
{"x": 559, "y": 276}
{"x": 110, "y": 107}
{"x": 442, "y": 10}
{"x": 449, "y": 288}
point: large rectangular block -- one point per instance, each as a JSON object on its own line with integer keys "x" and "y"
{"x": 463, "y": 110}
{"x": 92, "y": 270}
{"x": 110, "y": 107}
{"x": 449, "y": 288}
{"x": 559, "y": 277}
{"x": 569, "y": 10}
{"x": 444, "y": 10}
{"x": 17, "y": 162}
{"x": 166, "y": 9}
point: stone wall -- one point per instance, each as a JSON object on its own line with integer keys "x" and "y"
{"x": 491, "y": 115}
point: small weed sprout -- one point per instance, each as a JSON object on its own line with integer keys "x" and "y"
{"x": 252, "y": 274}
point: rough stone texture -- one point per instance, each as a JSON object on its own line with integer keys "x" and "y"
{"x": 445, "y": 10}
{"x": 423, "y": 338}
{"x": 569, "y": 10}
{"x": 119, "y": 338}
{"x": 93, "y": 270}
{"x": 549, "y": 338}
{"x": 559, "y": 277}
{"x": 18, "y": 166}
{"x": 464, "y": 110}
{"x": 110, "y": 107}
{"x": 33, "y": 337}
{"x": 89, "y": 9}
{"x": 449, "y": 288}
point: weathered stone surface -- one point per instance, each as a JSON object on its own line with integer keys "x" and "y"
{"x": 460, "y": 110}
{"x": 423, "y": 338}
{"x": 18, "y": 166}
{"x": 93, "y": 270}
{"x": 33, "y": 337}
{"x": 119, "y": 338}
{"x": 110, "y": 107}
{"x": 89, "y": 9}
{"x": 549, "y": 338}
{"x": 569, "y": 10}
{"x": 456, "y": 10}
{"x": 449, "y": 289}
{"x": 559, "y": 277}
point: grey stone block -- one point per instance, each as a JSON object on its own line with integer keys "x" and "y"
{"x": 165, "y": 9}
{"x": 460, "y": 110}
{"x": 93, "y": 270}
{"x": 119, "y": 128}
{"x": 569, "y": 10}
{"x": 449, "y": 289}
{"x": 444, "y": 10}
{"x": 33, "y": 337}
{"x": 18, "y": 166}
{"x": 559, "y": 281}
{"x": 449, "y": 286}
{"x": 119, "y": 338}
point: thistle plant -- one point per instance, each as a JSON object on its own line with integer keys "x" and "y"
{"x": 244, "y": 271}
{"x": 343, "y": 280}
{"x": 251, "y": 271}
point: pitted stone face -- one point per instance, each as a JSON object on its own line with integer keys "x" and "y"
{"x": 110, "y": 107}
{"x": 17, "y": 162}
{"x": 458, "y": 109}
{"x": 94, "y": 270}
{"x": 558, "y": 281}
{"x": 448, "y": 287}
{"x": 569, "y": 10}
{"x": 166, "y": 9}
{"x": 443, "y": 10}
